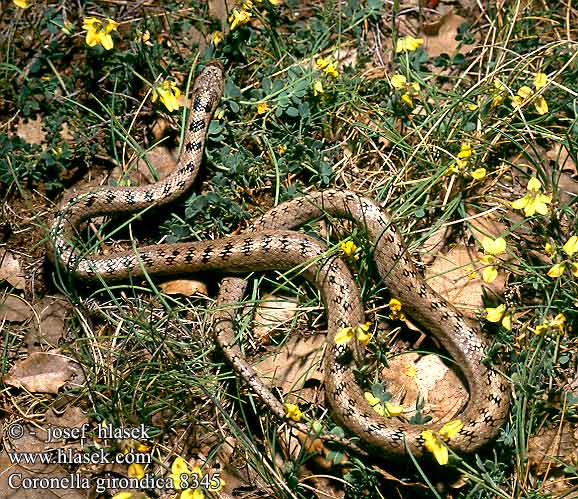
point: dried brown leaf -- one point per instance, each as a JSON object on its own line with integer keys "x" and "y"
{"x": 31, "y": 130}
{"x": 453, "y": 275}
{"x": 272, "y": 313}
{"x": 411, "y": 376}
{"x": 185, "y": 287}
{"x": 161, "y": 160}
{"x": 553, "y": 447}
{"x": 444, "y": 41}
{"x": 41, "y": 372}
{"x": 10, "y": 270}
{"x": 292, "y": 365}
{"x": 52, "y": 313}
{"x": 14, "y": 309}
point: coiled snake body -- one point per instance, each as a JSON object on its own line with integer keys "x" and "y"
{"x": 270, "y": 244}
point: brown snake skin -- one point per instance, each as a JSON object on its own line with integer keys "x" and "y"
{"x": 269, "y": 244}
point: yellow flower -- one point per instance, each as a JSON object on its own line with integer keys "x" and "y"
{"x": 410, "y": 371}
{"x": 97, "y": 33}
{"x": 465, "y": 151}
{"x": 498, "y": 93}
{"x": 349, "y": 249}
{"x": 192, "y": 494}
{"x": 557, "y": 270}
{"x": 327, "y": 66}
{"x": 360, "y": 332}
{"x": 541, "y": 105}
{"x": 317, "y": 88}
{"x": 557, "y": 323}
{"x": 451, "y": 429}
{"x": 550, "y": 249}
{"x": 23, "y": 4}
{"x": 293, "y": 412}
{"x": 384, "y": 409}
{"x": 262, "y": 107}
{"x": 395, "y": 310}
{"x": 407, "y": 99}
{"x": 281, "y": 149}
{"x": 238, "y": 18}
{"x": 523, "y": 94}
{"x": 436, "y": 446}
{"x": 136, "y": 470}
{"x": 435, "y": 443}
{"x": 398, "y": 81}
{"x": 472, "y": 107}
{"x": 571, "y": 246}
{"x": 408, "y": 44}
{"x": 363, "y": 334}
{"x": 534, "y": 201}
{"x": 499, "y": 314}
{"x": 540, "y": 81}
{"x": 178, "y": 468}
{"x": 478, "y": 173}
{"x": 494, "y": 246}
{"x": 122, "y": 495}
{"x": 331, "y": 71}
{"x": 169, "y": 94}
{"x": 216, "y": 37}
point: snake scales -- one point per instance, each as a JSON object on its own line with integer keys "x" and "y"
{"x": 269, "y": 244}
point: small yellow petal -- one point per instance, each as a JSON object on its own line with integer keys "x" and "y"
{"x": 525, "y": 92}
{"x": 123, "y": 495}
{"x": 398, "y": 81}
{"x": 494, "y": 246}
{"x": 293, "y": 412}
{"x": 349, "y": 248}
{"x": 451, "y": 429}
{"x": 489, "y": 274}
{"x": 394, "y": 305}
{"x": 111, "y": 25}
{"x": 495, "y": 314}
{"x": 557, "y": 270}
{"x": 541, "y": 105}
{"x": 317, "y": 87}
{"x": 180, "y": 466}
{"x": 408, "y": 44}
{"x": 478, "y": 173}
{"x": 571, "y": 246}
{"x": 262, "y": 107}
{"x": 393, "y": 410}
{"x": 375, "y": 403}
{"x": 23, "y": 4}
{"x": 216, "y": 37}
{"x": 507, "y": 322}
{"x": 344, "y": 335}
{"x": 540, "y": 81}
{"x": 136, "y": 470}
{"x": 575, "y": 269}
{"x": 534, "y": 185}
{"x": 407, "y": 99}
{"x": 441, "y": 454}
{"x": 550, "y": 249}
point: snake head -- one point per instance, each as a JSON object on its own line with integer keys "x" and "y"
{"x": 209, "y": 85}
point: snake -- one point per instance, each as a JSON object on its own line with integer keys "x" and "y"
{"x": 273, "y": 242}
